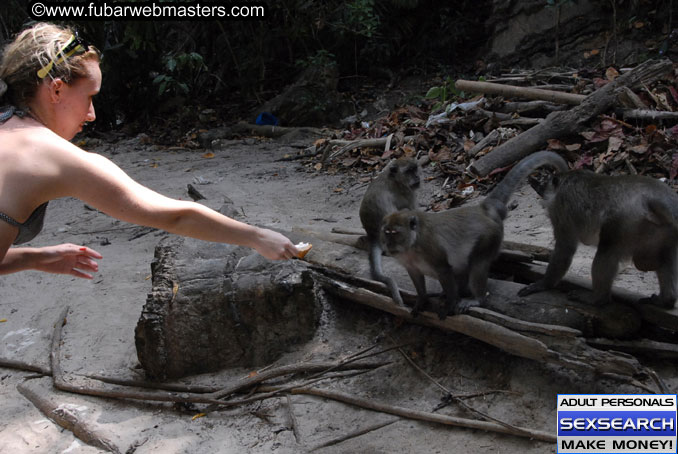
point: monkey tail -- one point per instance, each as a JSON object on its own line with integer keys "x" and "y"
{"x": 501, "y": 194}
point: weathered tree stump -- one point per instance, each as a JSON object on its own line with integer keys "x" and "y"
{"x": 214, "y": 306}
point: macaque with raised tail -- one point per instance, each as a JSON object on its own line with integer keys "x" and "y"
{"x": 394, "y": 189}
{"x": 457, "y": 246}
{"x": 627, "y": 217}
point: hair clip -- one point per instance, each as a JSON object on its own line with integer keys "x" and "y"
{"x": 73, "y": 45}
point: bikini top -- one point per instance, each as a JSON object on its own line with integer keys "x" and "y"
{"x": 33, "y": 225}
{"x": 29, "y": 229}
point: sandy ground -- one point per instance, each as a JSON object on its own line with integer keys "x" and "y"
{"x": 99, "y": 335}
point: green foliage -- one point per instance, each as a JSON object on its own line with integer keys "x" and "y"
{"x": 321, "y": 59}
{"x": 146, "y": 63}
{"x": 442, "y": 93}
{"x": 361, "y": 19}
{"x": 183, "y": 71}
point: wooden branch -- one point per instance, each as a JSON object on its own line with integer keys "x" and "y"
{"x": 522, "y": 325}
{"x": 559, "y": 124}
{"x": 491, "y": 139}
{"x": 512, "y": 91}
{"x": 355, "y": 434}
{"x": 523, "y": 107}
{"x": 448, "y": 394}
{"x": 422, "y": 415}
{"x": 94, "y": 388}
{"x": 557, "y": 347}
{"x": 643, "y": 346}
{"x": 350, "y": 145}
{"x": 649, "y": 115}
{"x": 20, "y": 365}
{"x": 53, "y": 409}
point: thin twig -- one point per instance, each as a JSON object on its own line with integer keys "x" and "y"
{"x": 20, "y": 365}
{"x": 448, "y": 394}
{"x": 250, "y": 381}
{"x": 425, "y": 416}
{"x": 355, "y": 434}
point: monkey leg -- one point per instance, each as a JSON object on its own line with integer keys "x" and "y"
{"x": 668, "y": 290}
{"x": 478, "y": 282}
{"x": 378, "y": 274}
{"x": 484, "y": 253}
{"x": 419, "y": 281}
{"x": 453, "y": 302}
{"x": 604, "y": 270}
{"x": 559, "y": 263}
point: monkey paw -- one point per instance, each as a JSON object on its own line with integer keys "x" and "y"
{"x": 460, "y": 308}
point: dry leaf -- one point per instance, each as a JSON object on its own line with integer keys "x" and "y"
{"x": 199, "y": 415}
{"x": 3, "y": 320}
{"x": 208, "y": 155}
{"x": 252, "y": 374}
{"x": 611, "y": 74}
{"x": 468, "y": 144}
{"x": 555, "y": 144}
{"x": 614, "y": 144}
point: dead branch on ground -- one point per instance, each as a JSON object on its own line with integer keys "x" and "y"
{"x": 560, "y": 124}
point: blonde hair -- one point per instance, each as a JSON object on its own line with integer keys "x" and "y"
{"x": 33, "y": 49}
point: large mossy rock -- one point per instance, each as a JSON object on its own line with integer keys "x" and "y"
{"x": 214, "y": 306}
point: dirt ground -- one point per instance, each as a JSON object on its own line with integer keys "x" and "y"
{"x": 99, "y": 335}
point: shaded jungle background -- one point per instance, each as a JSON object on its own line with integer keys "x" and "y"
{"x": 157, "y": 70}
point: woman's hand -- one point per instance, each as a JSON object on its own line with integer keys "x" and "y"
{"x": 274, "y": 246}
{"x": 66, "y": 259}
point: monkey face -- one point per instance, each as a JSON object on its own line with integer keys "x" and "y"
{"x": 406, "y": 172}
{"x": 399, "y": 232}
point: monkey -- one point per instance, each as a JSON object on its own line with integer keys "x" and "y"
{"x": 394, "y": 189}
{"x": 628, "y": 217}
{"x": 457, "y": 246}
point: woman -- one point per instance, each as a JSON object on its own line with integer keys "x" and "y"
{"x": 51, "y": 77}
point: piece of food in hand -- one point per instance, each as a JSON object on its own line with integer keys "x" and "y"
{"x": 303, "y": 249}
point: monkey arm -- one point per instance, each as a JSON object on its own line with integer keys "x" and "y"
{"x": 377, "y": 273}
{"x": 559, "y": 263}
{"x": 419, "y": 281}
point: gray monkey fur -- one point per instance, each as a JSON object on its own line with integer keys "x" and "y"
{"x": 457, "y": 246}
{"x": 392, "y": 190}
{"x": 627, "y": 217}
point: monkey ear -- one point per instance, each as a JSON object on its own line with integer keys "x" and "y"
{"x": 393, "y": 169}
{"x": 414, "y": 222}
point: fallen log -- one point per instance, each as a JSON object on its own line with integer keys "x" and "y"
{"x": 43, "y": 396}
{"x": 526, "y": 107}
{"x": 649, "y": 115}
{"x": 650, "y": 314}
{"x": 349, "y": 145}
{"x": 560, "y": 124}
{"x": 553, "y": 308}
{"x": 567, "y": 351}
{"x": 511, "y": 91}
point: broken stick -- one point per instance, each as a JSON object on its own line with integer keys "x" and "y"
{"x": 512, "y": 91}
{"x": 560, "y": 124}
